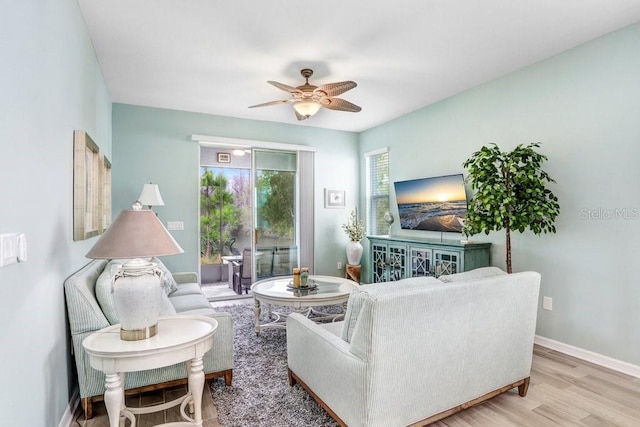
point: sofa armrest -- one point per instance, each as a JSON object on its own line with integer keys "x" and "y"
{"x": 221, "y": 357}
{"x": 306, "y": 326}
{"x": 185, "y": 277}
{"x": 324, "y": 362}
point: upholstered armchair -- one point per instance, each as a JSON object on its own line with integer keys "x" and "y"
{"x": 418, "y": 350}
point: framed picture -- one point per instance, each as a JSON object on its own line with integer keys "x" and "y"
{"x": 224, "y": 158}
{"x": 87, "y": 170}
{"x": 334, "y": 198}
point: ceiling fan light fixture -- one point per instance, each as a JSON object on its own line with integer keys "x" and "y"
{"x": 306, "y": 108}
{"x": 307, "y": 99}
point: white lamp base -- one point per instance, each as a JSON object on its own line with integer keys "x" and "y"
{"x": 137, "y": 296}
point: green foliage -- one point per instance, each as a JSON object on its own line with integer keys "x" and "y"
{"x": 511, "y": 193}
{"x": 218, "y": 216}
{"x": 276, "y": 191}
{"x": 354, "y": 227}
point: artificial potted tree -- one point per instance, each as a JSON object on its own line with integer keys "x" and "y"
{"x": 511, "y": 193}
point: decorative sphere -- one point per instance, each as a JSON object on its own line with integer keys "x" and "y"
{"x": 388, "y": 218}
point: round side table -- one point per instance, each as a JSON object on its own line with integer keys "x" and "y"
{"x": 179, "y": 339}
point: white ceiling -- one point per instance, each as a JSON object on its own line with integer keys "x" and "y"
{"x": 215, "y": 56}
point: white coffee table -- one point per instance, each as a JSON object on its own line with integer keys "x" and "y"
{"x": 277, "y": 291}
{"x": 180, "y": 338}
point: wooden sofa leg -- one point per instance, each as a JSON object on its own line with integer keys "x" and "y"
{"x": 228, "y": 376}
{"x": 87, "y": 407}
{"x": 522, "y": 388}
{"x": 292, "y": 379}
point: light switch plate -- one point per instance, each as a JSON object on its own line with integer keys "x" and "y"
{"x": 175, "y": 225}
{"x": 8, "y": 249}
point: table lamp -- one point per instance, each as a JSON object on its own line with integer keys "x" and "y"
{"x": 136, "y": 236}
{"x": 150, "y": 196}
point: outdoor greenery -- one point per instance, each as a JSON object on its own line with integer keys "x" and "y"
{"x": 276, "y": 191}
{"x": 219, "y": 216}
{"x": 510, "y": 193}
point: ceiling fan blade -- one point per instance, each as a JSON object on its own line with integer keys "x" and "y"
{"x": 340, "y": 105}
{"x": 335, "y": 89}
{"x": 284, "y": 87}
{"x": 266, "y": 104}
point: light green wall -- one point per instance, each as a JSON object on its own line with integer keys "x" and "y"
{"x": 154, "y": 145}
{"x": 50, "y": 84}
{"x": 584, "y": 106}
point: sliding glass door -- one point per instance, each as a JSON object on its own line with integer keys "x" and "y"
{"x": 275, "y": 233}
{"x": 250, "y": 215}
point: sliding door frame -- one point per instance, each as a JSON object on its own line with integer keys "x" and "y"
{"x": 305, "y": 221}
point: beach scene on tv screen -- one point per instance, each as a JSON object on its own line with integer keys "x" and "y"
{"x": 434, "y": 204}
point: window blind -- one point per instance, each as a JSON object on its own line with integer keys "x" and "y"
{"x": 377, "y": 172}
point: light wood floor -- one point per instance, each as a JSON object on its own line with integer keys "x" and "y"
{"x": 564, "y": 391}
{"x": 100, "y": 418}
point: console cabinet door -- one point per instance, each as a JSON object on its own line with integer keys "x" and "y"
{"x": 378, "y": 262}
{"x": 388, "y": 262}
{"x": 446, "y": 262}
{"x": 397, "y": 262}
{"x": 420, "y": 261}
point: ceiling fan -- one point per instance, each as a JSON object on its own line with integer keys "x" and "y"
{"x": 307, "y": 99}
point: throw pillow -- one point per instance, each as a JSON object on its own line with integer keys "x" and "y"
{"x": 359, "y": 296}
{"x": 104, "y": 291}
{"x": 168, "y": 282}
{"x": 354, "y": 306}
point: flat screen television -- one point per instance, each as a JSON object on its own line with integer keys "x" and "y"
{"x": 434, "y": 204}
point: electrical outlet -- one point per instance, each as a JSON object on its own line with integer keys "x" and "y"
{"x": 547, "y": 303}
{"x": 339, "y": 265}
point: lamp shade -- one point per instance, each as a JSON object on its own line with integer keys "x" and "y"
{"x": 135, "y": 234}
{"x": 150, "y": 195}
{"x": 306, "y": 108}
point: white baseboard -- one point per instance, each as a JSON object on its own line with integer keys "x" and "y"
{"x": 589, "y": 356}
{"x": 67, "y": 418}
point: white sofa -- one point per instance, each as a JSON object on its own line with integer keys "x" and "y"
{"x": 90, "y": 308}
{"x": 418, "y": 350}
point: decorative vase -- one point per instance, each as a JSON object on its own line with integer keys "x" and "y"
{"x": 354, "y": 253}
{"x": 137, "y": 299}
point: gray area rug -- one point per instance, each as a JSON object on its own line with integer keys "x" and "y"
{"x": 260, "y": 394}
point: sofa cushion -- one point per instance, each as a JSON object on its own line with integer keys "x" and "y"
{"x": 358, "y": 296}
{"x": 166, "y": 279}
{"x": 186, "y": 303}
{"x": 478, "y": 273}
{"x": 187, "y": 289}
{"x": 104, "y": 294}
